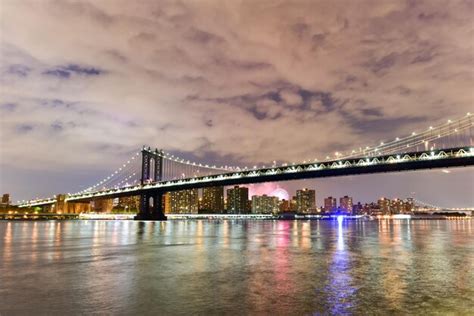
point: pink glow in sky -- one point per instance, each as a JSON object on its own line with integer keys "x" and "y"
{"x": 271, "y": 189}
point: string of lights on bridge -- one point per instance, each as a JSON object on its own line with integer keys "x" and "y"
{"x": 113, "y": 175}
{"x": 360, "y": 162}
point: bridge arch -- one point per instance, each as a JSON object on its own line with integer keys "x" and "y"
{"x": 151, "y": 202}
{"x": 152, "y": 169}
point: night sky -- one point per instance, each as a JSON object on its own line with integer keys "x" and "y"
{"x": 85, "y": 84}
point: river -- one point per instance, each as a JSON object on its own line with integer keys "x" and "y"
{"x": 205, "y": 267}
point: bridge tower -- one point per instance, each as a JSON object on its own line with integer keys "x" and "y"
{"x": 152, "y": 165}
{"x": 151, "y": 207}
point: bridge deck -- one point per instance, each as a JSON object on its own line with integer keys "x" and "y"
{"x": 455, "y": 157}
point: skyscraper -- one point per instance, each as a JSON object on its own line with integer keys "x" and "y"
{"x": 184, "y": 201}
{"x": 330, "y": 204}
{"x": 237, "y": 200}
{"x": 265, "y": 204}
{"x": 305, "y": 201}
{"x": 212, "y": 200}
{"x": 345, "y": 203}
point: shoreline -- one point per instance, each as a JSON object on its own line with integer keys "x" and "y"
{"x": 174, "y": 217}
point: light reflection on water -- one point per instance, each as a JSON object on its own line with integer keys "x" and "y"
{"x": 237, "y": 267}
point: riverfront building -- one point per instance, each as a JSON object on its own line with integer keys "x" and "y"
{"x": 238, "y": 200}
{"x": 129, "y": 203}
{"x": 345, "y": 204}
{"x": 330, "y": 204}
{"x": 285, "y": 206}
{"x": 265, "y": 204}
{"x": 212, "y": 200}
{"x": 384, "y": 205}
{"x": 184, "y": 201}
{"x": 305, "y": 201}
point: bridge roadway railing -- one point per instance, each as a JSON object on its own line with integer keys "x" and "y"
{"x": 454, "y": 157}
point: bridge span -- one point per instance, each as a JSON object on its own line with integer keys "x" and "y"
{"x": 153, "y": 191}
{"x": 151, "y": 173}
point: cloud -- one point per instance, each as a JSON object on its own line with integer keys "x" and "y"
{"x": 66, "y": 72}
{"x": 18, "y": 70}
{"x": 291, "y": 98}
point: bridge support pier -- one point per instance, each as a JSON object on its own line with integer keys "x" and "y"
{"x": 151, "y": 207}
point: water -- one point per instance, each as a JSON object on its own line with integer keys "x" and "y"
{"x": 237, "y": 267}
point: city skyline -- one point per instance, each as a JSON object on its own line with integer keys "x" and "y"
{"x": 79, "y": 94}
{"x": 214, "y": 200}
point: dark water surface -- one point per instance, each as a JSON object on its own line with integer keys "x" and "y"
{"x": 237, "y": 267}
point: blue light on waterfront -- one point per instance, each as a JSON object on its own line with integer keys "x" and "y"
{"x": 340, "y": 218}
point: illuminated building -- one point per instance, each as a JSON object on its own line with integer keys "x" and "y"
{"x": 238, "y": 200}
{"x": 330, "y": 204}
{"x": 184, "y": 201}
{"x": 397, "y": 206}
{"x": 212, "y": 200}
{"x": 102, "y": 205}
{"x": 265, "y": 204}
{"x": 293, "y": 204}
{"x": 60, "y": 205}
{"x": 305, "y": 201}
{"x": 384, "y": 206}
{"x": 358, "y": 209}
{"x": 345, "y": 204}
{"x": 371, "y": 208}
{"x": 129, "y": 203}
{"x": 167, "y": 202}
{"x": 78, "y": 208}
{"x": 285, "y": 206}
{"x": 409, "y": 205}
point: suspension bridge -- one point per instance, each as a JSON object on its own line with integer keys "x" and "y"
{"x": 151, "y": 172}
